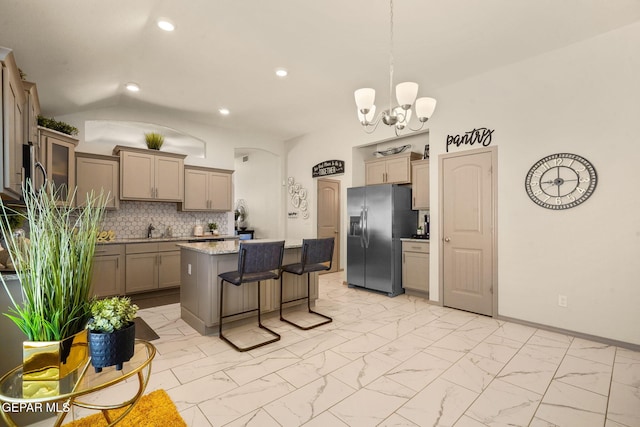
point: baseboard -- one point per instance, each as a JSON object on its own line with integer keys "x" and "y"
{"x": 603, "y": 340}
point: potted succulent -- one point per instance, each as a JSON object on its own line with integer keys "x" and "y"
{"x": 112, "y": 332}
{"x": 54, "y": 266}
{"x": 154, "y": 140}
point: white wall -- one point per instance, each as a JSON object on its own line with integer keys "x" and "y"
{"x": 584, "y": 100}
{"x": 259, "y": 182}
{"x": 220, "y": 143}
{"x": 581, "y": 99}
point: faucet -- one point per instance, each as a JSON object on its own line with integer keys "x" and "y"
{"x": 150, "y": 229}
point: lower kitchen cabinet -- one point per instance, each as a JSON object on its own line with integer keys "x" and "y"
{"x": 152, "y": 266}
{"x": 108, "y": 270}
{"x": 415, "y": 266}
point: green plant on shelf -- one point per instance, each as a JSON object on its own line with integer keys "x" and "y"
{"x": 154, "y": 140}
{"x": 51, "y": 123}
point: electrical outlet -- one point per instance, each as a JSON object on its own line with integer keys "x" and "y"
{"x": 562, "y": 300}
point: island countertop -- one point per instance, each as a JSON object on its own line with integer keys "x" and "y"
{"x": 233, "y": 246}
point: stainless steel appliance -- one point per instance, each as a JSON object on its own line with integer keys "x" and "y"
{"x": 32, "y": 167}
{"x": 379, "y": 215}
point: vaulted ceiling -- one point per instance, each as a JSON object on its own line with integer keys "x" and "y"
{"x": 223, "y": 53}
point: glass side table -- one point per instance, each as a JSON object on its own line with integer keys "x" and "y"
{"x": 17, "y": 395}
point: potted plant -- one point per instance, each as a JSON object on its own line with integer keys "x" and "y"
{"x": 54, "y": 266}
{"x": 213, "y": 228}
{"x": 154, "y": 140}
{"x": 112, "y": 332}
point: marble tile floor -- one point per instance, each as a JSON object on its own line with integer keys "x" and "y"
{"x": 391, "y": 362}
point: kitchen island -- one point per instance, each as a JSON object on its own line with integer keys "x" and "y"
{"x": 200, "y": 264}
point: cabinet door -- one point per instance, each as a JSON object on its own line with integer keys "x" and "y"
{"x": 195, "y": 190}
{"x": 142, "y": 272}
{"x": 61, "y": 166}
{"x": 169, "y": 178}
{"x": 420, "y": 186}
{"x": 168, "y": 269}
{"x": 14, "y": 134}
{"x": 398, "y": 171}
{"x": 219, "y": 191}
{"x": 98, "y": 175}
{"x": 137, "y": 176}
{"x": 107, "y": 277}
{"x": 415, "y": 271}
{"x": 375, "y": 172}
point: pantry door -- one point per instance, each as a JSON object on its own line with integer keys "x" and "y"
{"x": 329, "y": 216}
{"x": 469, "y": 235}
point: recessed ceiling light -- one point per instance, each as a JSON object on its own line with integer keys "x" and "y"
{"x": 224, "y": 111}
{"x": 132, "y": 87}
{"x": 281, "y": 72}
{"x": 166, "y": 25}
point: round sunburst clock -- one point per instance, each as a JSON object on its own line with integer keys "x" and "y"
{"x": 561, "y": 181}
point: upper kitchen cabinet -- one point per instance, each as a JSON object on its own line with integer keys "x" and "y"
{"x": 12, "y": 111}
{"x": 207, "y": 189}
{"x": 150, "y": 176}
{"x": 420, "y": 184}
{"x": 32, "y": 111}
{"x": 59, "y": 152}
{"x": 395, "y": 169}
{"x": 98, "y": 173}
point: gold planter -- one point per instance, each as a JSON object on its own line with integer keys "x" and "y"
{"x": 54, "y": 360}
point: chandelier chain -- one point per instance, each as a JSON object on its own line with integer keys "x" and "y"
{"x": 391, "y": 61}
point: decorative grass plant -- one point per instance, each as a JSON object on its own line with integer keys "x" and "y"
{"x": 54, "y": 265}
{"x": 154, "y": 140}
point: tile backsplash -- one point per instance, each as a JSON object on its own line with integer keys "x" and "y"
{"x": 133, "y": 218}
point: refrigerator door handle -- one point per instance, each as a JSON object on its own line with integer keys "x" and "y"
{"x": 365, "y": 232}
{"x": 361, "y": 225}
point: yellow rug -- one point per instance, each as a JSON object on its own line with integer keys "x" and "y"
{"x": 152, "y": 410}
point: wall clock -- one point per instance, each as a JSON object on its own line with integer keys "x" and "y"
{"x": 561, "y": 181}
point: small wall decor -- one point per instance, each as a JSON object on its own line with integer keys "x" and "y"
{"x": 480, "y": 136}
{"x": 426, "y": 152}
{"x": 298, "y": 199}
{"x": 328, "y": 167}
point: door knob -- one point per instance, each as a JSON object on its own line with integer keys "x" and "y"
{"x": 446, "y": 239}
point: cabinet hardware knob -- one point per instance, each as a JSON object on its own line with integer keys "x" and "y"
{"x": 446, "y": 239}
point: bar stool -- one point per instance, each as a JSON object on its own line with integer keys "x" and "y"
{"x": 256, "y": 262}
{"x": 317, "y": 255}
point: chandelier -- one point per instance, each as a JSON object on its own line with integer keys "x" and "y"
{"x": 398, "y": 115}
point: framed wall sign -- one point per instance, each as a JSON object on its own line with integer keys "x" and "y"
{"x": 327, "y": 168}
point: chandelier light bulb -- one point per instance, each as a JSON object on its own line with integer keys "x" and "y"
{"x": 365, "y": 98}
{"x": 425, "y": 108}
{"x": 406, "y": 94}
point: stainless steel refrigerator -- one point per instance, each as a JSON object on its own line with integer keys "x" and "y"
{"x": 379, "y": 215}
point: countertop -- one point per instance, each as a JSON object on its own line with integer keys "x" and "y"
{"x": 407, "y": 239}
{"x": 168, "y": 239}
{"x": 232, "y": 246}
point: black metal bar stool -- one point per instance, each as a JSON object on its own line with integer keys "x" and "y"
{"x": 317, "y": 255}
{"x": 256, "y": 262}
